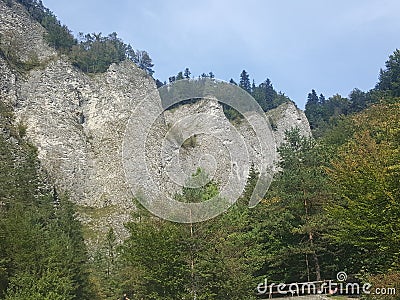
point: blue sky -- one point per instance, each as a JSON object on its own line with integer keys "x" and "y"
{"x": 329, "y": 46}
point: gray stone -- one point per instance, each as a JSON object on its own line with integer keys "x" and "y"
{"x": 77, "y": 122}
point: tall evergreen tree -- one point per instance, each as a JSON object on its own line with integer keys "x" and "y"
{"x": 179, "y": 76}
{"x": 244, "y": 82}
{"x": 143, "y": 60}
{"x": 389, "y": 79}
{"x": 312, "y": 98}
{"x": 321, "y": 99}
{"x": 187, "y": 73}
{"x": 295, "y": 221}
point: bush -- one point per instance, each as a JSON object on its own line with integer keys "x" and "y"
{"x": 388, "y": 285}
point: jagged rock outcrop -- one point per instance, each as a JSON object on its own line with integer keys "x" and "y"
{"x": 77, "y": 122}
{"x": 21, "y": 34}
{"x": 285, "y": 117}
{"x": 209, "y": 151}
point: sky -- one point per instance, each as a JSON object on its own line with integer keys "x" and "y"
{"x": 332, "y": 46}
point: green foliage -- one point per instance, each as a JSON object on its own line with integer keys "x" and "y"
{"x": 187, "y": 73}
{"x": 22, "y": 129}
{"x": 366, "y": 173}
{"x": 58, "y": 36}
{"x": 295, "y": 220}
{"x": 142, "y": 60}
{"x": 42, "y": 254}
{"x": 244, "y": 82}
{"x": 51, "y": 285}
{"x": 198, "y": 188}
{"x": 232, "y": 114}
{"x": 106, "y": 269}
{"x": 179, "y": 76}
{"x": 321, "y": 113}
{"x": 209, "y": 260}
{"x": 359, "y": 100}
{"x": 389, "y": 79}
{"x": 325, "y": 114}
{"x": 264, "y": 94}
{"x": 182, "y": 75}
{"x": 155, "y": 260}
{"x": 334, "y": 204}
{"x": 44, "y": 251}
{"x": 93, "y": 53}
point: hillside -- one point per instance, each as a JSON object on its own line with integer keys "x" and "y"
{"x": 77, "y": 121}
{"x": 86, "y": 135}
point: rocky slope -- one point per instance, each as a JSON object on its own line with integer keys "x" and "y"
{"x": 77, "y": 122}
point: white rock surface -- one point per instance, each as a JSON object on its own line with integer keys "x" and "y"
{"x": 78, "y": 121}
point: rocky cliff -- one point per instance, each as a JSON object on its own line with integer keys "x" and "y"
{"x": 77, "y": 122}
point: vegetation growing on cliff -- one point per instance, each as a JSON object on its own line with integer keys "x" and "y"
{"x": 92, "y": 53}
{"x": 334, "y": 206}
{"x": 264, "y": 93}
{"x": 42, "y": 253}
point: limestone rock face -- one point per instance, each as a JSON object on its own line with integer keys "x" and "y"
{"x": 77, "y": 122}
{"x": 21, "y": 34}
{"x": 286, "y": 117}
{"x": 208, "y": 150}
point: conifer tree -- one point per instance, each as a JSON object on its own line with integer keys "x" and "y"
{"x": 187, "y": 73}
{"x": 244, "y": 82}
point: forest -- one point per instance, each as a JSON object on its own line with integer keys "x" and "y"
{"x": 334, "y": 206}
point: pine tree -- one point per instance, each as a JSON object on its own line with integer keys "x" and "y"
{"x": 143, "y": 60}
{"x": 187, "y": 73}
{"x": 179, "y": 76}
{"x": 244, "y": 82}
{"x": 295, "y": 220}
{"x": 266, "y": 96}
{"x": 389, "y": 79}
{"x": 313, "y": 109}
{"x": 312, "y": 98}
{"x": 321, "y": 99}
